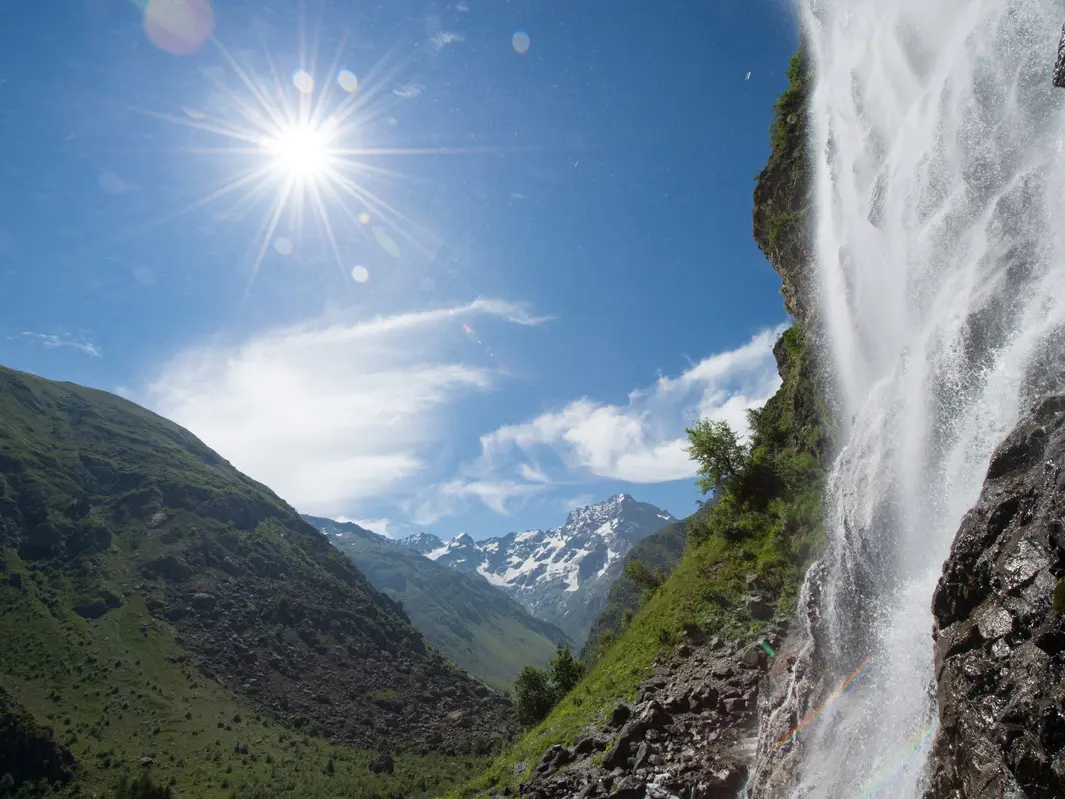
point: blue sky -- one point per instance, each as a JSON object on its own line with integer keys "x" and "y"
{"x": 557, "y": 271}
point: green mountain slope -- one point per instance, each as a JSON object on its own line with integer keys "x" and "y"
{"x": 476, "y": 625}
{"x": 660, "y": 553}
{"x": 162, "y": 612}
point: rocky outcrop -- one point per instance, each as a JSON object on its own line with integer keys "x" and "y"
{"x": 1000, "y": 626}
{"x": 782, "y": 198}
{"x": 28, "y": 753}
{"x": 689, "y": 733}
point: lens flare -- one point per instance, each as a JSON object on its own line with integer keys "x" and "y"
{"x": 348, "y": 82}
{"x": 179, "y": 27}
{"x": 521, "y": 42}
{"x": 360, "y": 274}
{"x": 303, "y": 81}
{"x": 388, "y": 244}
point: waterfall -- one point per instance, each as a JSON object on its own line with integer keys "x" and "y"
{"x": 939, "y": 158}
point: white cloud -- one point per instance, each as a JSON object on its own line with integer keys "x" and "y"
{"x": 382, "y": 527}
{"x": 408, "y": 91}
{"x": 329, "y": 414}
{"x": 642, "y": 441}
{"x": 446, "y": 38}
{"x": 52, "y": 342}
{"x": 453, "y": 496}
{"x": 533, "y": 474}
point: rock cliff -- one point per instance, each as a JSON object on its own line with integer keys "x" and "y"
{"x": 1000, "y": 626}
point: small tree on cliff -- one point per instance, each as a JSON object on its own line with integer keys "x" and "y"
{"x": 533, "y": 697}
{"x": 566, "y": 672}
{"x": 637, "y": 571}
{"x": 715, "y": 446}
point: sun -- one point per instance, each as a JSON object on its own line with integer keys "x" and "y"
{"x": 300, "y": 152}
{"x": 298, "y": 148}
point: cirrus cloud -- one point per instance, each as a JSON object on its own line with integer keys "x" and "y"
{"x": 329, "y": 414}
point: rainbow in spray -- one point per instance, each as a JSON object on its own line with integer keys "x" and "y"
{"x": 895, "y": 765}
{"x": 814, "y": 714}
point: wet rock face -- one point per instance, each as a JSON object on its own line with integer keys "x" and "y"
{"x": 999, "y": 633}
{"x": 689, "y": 734}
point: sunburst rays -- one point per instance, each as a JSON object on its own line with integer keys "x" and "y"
{"x": 298, "y": 147}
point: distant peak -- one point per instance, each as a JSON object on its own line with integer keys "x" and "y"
{"x": 462, "y": 538}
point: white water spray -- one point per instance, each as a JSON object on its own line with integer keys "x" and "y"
{"x": 939, "y": 147}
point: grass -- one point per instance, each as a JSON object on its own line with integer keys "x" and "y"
{"x": 659, "y": 552}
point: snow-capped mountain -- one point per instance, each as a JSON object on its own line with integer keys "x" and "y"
{"x": 561, "y": 575}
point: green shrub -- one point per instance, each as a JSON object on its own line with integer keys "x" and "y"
{"x": 533, "y": 697}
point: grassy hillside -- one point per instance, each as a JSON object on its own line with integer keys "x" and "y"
{"x": 660, "y": 553}
{"x": 163, "y": 613}
{"x": 478, "y": 626}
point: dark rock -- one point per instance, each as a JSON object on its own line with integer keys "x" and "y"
{"x": 619, "y": 715}
{"x": 654, "y": 717}
{"x": 759, "y": 608}
{"x": 641, "y": 756}
{"x": 999, "y": 644}
{"x": 585, "y": 746}
{"x": 171, "y": 567}
{"x": 203, "y": 602}
{"x": 755, "y": 657}
{"x": 629, "y": 788}
{"x": 383, "y": 765}
{"x": 95, "y": 608}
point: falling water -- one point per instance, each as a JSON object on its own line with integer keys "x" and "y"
{"x": 939, "y": 145}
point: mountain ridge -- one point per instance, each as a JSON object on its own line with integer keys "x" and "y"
{"x": 563, "y": 574}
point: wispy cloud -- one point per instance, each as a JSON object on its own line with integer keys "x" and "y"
{"x": 408, "y": 91}
{"x": 446, "y": 39}
{"x": 329, "y": 415}
{"x": 642, "y": 441}
{"x": 52, "y": 342}
{"x": 452, "y": 497}
{"x": 383, "y": 527}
